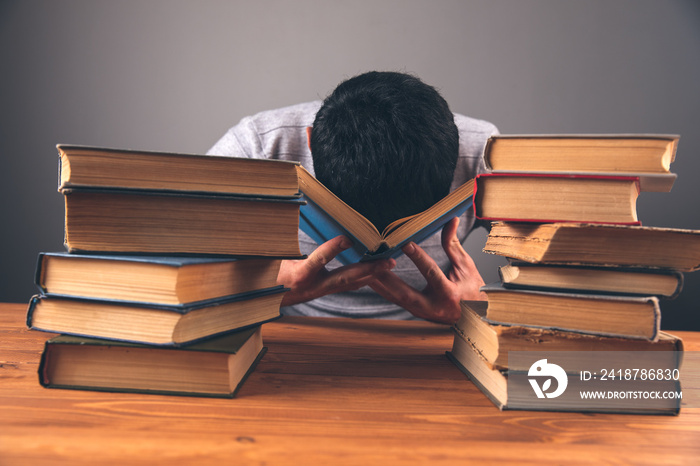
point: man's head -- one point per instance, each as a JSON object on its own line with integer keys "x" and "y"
{"x": 386, "y": 144}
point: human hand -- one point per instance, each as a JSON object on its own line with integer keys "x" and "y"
{"x": 440, "y": 300}
{"x": 308, "y": 278}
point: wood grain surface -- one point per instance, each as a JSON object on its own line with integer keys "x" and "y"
{"x": 328, "y": 391}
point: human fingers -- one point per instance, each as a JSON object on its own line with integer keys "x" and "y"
{"x": 451, "y": 243}
{"x": 459, "y": 258}
{"x": 426, "y": 266}
{"x": 354, "y": 276}
{"x": 421, "y": 305}
{"x": 305, "y": 286}
{"x": 449, "y": 232}
{"x": 392, "y": 288}
{"x": 325, "y": 253}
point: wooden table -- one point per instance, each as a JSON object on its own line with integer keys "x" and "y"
{"x": 328, "y": 391}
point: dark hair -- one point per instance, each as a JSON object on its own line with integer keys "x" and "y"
{"x": 386, "y": 144}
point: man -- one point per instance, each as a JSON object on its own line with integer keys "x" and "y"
{"x": 389, "y": 146}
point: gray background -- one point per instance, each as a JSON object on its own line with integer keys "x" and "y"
{"x": 174, "y": 75}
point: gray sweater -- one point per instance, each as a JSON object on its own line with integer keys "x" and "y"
{"x": 281, "y": 134}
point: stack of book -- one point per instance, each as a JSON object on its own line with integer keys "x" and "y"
{"x": 583, "y": 273}
{"x": 170, "y": 271}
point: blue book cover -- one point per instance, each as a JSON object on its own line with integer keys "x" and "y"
{"x": 324, "y": 216}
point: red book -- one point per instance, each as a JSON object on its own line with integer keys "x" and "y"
{"x": 549, "y": 198}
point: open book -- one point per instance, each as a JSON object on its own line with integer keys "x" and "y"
{"x": 325, "y": 216}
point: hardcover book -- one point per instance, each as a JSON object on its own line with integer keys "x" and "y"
{"x": 611, "y": 315}
{"x": 325, "y": 216}
{"x": 614, "y": 280}
{"x": 213, "y": 368}
{"x": 648, "y": 156}
{"x": 509, "y": 389}
{"x": 100, "y": 167}
{"x": 495, "y": 341}
{"x": 152, "y": 279}
{"x": 545, "y": 198}
{"x": 595, "y": 244}
{"x": 148, "y": 323}
{"x": 163, "y": 223}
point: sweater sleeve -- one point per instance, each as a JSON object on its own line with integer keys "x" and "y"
{"x": 241, "y": 140}
{"x": 273, "y": 134}
{"x": 473, "y": 134}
